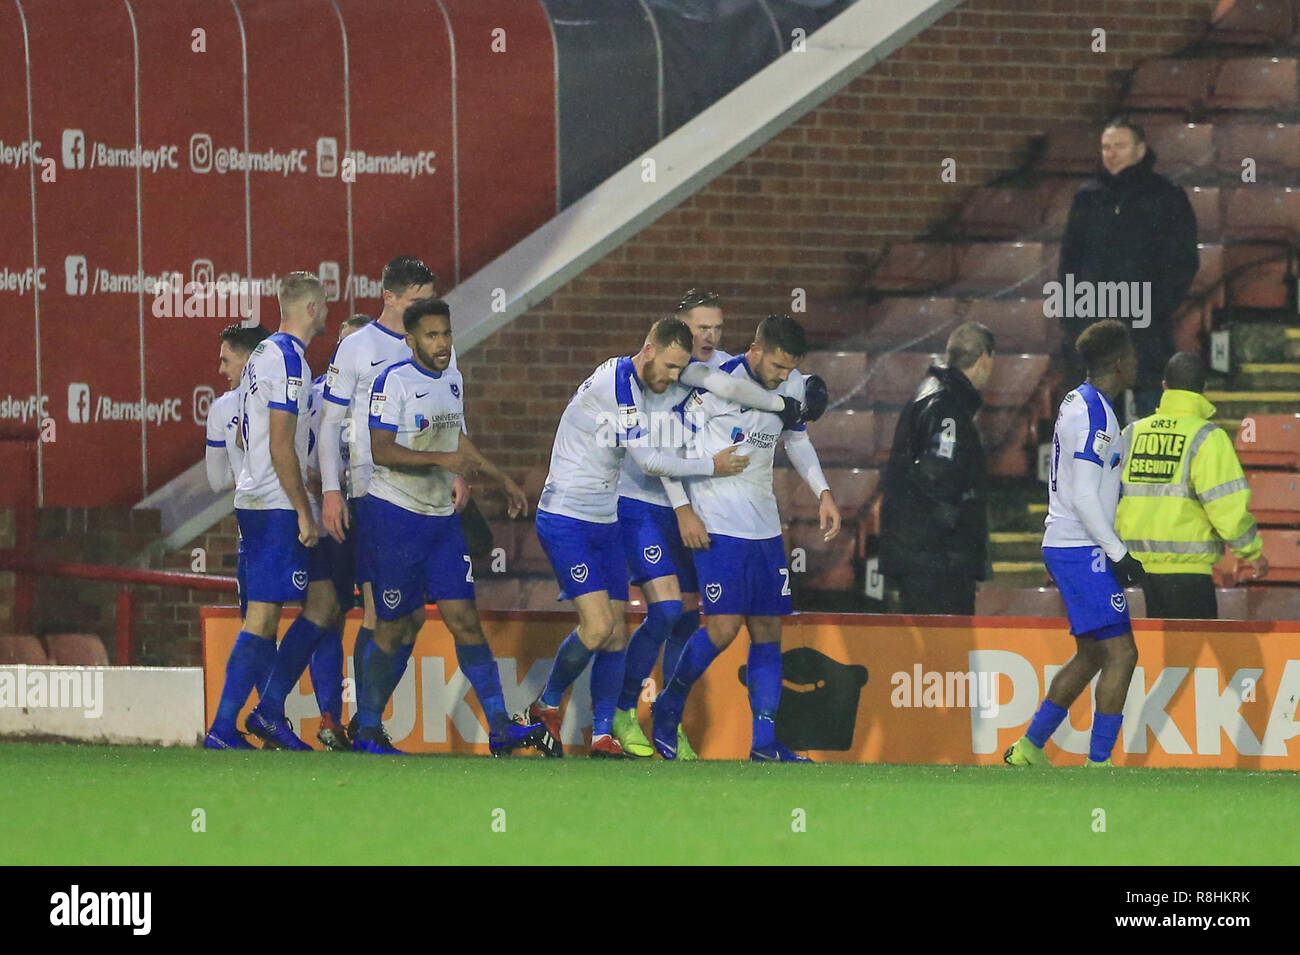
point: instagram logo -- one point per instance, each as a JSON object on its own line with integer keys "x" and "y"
{"x": 201, "y": 152}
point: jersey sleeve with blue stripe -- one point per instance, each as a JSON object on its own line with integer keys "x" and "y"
{"x": 1086, "y": 435}
{"x": 425, "y": 411}
{"x": 276, "y": 378}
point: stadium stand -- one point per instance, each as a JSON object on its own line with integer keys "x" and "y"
{"x": 22, "y": 649}
{"x": 77, "y": 649}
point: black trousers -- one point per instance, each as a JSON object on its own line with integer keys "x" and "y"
{"x": 1181, "y": 597}
{"x": 931, "y": 593}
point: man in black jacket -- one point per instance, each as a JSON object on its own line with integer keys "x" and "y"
{"x": 934, "y": 525}
{"x": 1130, "y": 225}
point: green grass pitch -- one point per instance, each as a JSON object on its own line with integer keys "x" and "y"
{"x": 71, "y": 805}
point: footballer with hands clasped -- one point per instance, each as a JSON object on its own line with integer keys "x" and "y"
{"x": 743, "y": 572}
{"x": 1084, "y": 554}
{"x": 577, "y": 518}
{"x": 417, "y": 550}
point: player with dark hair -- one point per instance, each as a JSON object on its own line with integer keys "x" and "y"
{"x": 275, "y": 516}
{"x": 418, "y": 550}
{"x": 743, "y": 573}
{"x": 577, "y": 519}
{"x": 1084, "y": 554}
{"x": 224, "y": 457}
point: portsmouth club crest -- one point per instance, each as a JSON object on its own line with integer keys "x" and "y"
{"x": 1118, "y": 602}
{"x": 392, "y": 598}
{"x": 653, "y": 553}
{"x": 300, "y": 579}
{"x": 713, "y": 592}
{"x": 455, "y": 390}
{"x": 579, "y": 573}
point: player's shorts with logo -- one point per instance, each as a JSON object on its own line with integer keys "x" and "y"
{"x": 586, "y": 556}
{"x": 653, "y": 544}
{"x": 742, "y": 576}
{"x": 415, "y": 557}
{"x": 1094, "y": 599}
{"x": 334, "y": 562}
{"x": 275, "y": 562}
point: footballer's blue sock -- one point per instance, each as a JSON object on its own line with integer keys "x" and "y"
{"x": 686, "y": 625}
{"x": 606, "y": 678}
{"x": 364, "y": 636}
{"x": 250, "y": 656}
{"x": 697, "y": 656}
{"x": 1105, "y": 730}
{"x": 327, "y": 673}
{"x": 480, "y": 668}
{"x": 570, "y": 660}
{"x": 764, "y": 690}
{"x": 1045, "y": 722}
{"x": 643, "y": 648}
{"x": 291, "y": 659}
{"x": 377, "y": 685}
{"x": 401, "y": 657}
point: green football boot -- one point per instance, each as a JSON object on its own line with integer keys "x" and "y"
{"x": 1024, "y": 753}
{"x": 1106, "y": 763}
{"x": 628, "y": 732}
{"x": 684, "y": 750}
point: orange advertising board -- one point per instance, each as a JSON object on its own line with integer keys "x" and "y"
{"x": 877, "y": 688}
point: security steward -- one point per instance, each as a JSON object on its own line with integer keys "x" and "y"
{"x": 1184, "y": 497}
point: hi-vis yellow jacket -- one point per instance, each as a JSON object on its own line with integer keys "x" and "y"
{"x": 1184, "y": 493}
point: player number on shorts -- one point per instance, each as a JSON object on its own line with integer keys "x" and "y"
{"x": 785, "y": 581}
{"x": 469, "y": 569}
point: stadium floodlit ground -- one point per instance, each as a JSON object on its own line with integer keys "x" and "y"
{"x": 71, "y": 805}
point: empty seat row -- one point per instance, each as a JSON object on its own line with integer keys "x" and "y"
{"x": 65, "y": 649}
{"x": 1256, "y": 22}
{"x": 1265, "y": 83}
{"x": 983, "y": 270}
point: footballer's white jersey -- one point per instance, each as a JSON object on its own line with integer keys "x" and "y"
{"x": 590, "y": 443}
{"x": 357, "y": 361}
{"x": 222, "y": 432}
{"x": 275, "y": 378}
{"x": 743, "y": 505}
{"x": 666, "y": 427}
{"x": 1087, "y": 436}
{"x": 425, "y": 410}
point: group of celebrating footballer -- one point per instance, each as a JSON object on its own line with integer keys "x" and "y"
{"x": 377, "y": 453}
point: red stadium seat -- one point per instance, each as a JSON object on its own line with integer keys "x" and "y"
{"x": 852, "y": 489}
{"x": 1255, "y": 276}
{"x": 1263, "y": 214}
{"x": 1269, "y": 441}
{"x": 893, "y": 378}
{"x": 1207, "y": 209}
{"x": 1001, "y": 428}
{"x": 914, "y": 267}
{"x": 1015, "y": 378}
{"x": 910, "y": 323}
{"x": 1251, "y": 22}
{"x": 842, "y": 370}
{"x": 999, "y": 212}
{"x": 1057, "y": 197}
{"x": 1072, "y": 150}
{"x": 77, "y": 650}
{"x": 1233, "y": 603}
{"x": 1275, "y": 148}
{"x": 1000, "y": 268}
{"x": 833, "y": 323}
{"x": 1274, "y": 496}
{"x": 1167, "y": 84}
{"x": 846, "y": 438}
{"x": 22, "y": 649}
{"x": 1282, "y": 548}
{"x": 1272, "y": 603}
{"x": 1256, "y": 83}
{"x": 827, "y": 565}
{"x": 1209, "y": 277}
{"x": 1182, "y": 149}
{"x": 1018, "y": 325}
{"x": 1019, "y": 602}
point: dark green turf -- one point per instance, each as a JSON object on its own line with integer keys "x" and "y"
{"x": 127, "y": 805}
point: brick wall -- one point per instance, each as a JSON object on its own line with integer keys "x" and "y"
{"x": 813, "y": 206}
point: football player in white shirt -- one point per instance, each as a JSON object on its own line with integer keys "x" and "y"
{"x": 1084, "y": 554}
{"x": 743, "y": 573}
{"x": 418, "y": 440}
{"x": 224, "y": 457}
{"x": 353, "y": 368}
{"x": 275, "y": 517}
{"x": 658, "y": 545}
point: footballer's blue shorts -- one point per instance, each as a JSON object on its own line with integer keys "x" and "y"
{"x": 741, "y": 576}
{"x": 416, "y": 557}
{"x": 585, "y": 556}
{"x": 1094, "y": 599}
{"x": 356, "y": 540}
{"x": 276, "y": 563}
{"x": 333, "y": 561}
{"x": 653, "y": 544}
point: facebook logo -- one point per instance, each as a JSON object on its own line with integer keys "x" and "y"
{"x": 78, "y": 402}
{"x": 75, "y": 274}
{"x": 74, "y": 149}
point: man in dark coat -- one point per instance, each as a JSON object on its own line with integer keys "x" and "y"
{"x": 1130, "y": 224}
{"x": 934, "y": 523}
